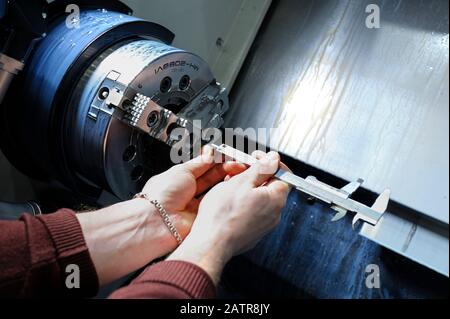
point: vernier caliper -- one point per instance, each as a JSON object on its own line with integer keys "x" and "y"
{"x": 150, "y": 118}
{"x": 338, "y": 198}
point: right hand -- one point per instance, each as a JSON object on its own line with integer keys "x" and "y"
{"x": 234, "y": 215}
{"x": 237, "y": 213}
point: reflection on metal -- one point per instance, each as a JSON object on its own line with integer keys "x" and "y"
{"x": 419, "y": 240}
{"x": 220, "y": 32}
{"x": 354, "y": 101}
{"x": 139, "y": 66}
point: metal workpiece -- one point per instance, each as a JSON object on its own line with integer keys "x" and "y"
{"x": 9, "y": 68}
{"x": 10, "y": 65}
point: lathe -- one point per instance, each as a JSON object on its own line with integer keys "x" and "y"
{"x": 92, "y": 104}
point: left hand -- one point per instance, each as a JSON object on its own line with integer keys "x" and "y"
{"x": 126, "y": 236}
{"x": 180, "y": 188}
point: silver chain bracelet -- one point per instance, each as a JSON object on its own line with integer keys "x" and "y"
{"x": 164, "y": 215}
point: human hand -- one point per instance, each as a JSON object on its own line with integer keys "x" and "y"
{"x": 179, "y": 188}
{"x": 235, "y": 215}
{"x": 128, "y": 235}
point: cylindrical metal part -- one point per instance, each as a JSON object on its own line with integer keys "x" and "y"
{"x": 9, "y": 68}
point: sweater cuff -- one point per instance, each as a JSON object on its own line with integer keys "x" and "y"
{"x": 190, "y": 278}
{"x": 67, "y": 236}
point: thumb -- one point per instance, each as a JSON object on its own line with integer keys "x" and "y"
{"x": 202, "y": 163}
{"x": 262, "y": 170}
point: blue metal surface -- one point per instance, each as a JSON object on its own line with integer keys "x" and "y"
{"x": 86, "y": 135}
{"x": 55, "y": 55}
{"x": 355, "y": 101}
{"x": 308, "y": 256}
{"x": 62, "y": 46}
{"x": 42, "y": 95}
{"x": 2, "y": 8}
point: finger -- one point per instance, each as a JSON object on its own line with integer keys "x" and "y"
{"x": 260, "y": 154}
{"x": 278, "y": 192}
{"x": 233, "y": 168}
{"x": 210, "y": 178}
{"x": 262, "y": 170}
{"x": 202, "y": 163}
{"x": 217, "y": 174}
{"x": 278, "y": 187}
{"x": 193, "y": 205}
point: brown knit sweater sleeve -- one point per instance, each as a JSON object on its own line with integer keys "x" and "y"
{"x": 35, "y": 253}
{"x": 169, "y": 280}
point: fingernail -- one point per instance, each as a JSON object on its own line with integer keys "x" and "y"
{"x": 207, "y": 150}
{"x": 208, "y": 154}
